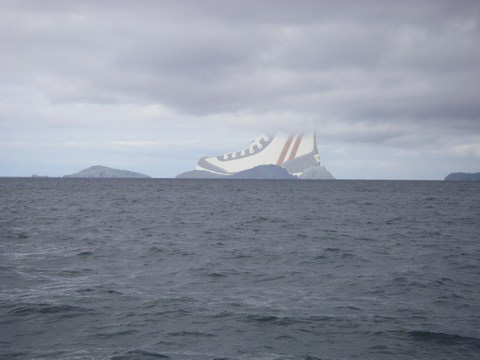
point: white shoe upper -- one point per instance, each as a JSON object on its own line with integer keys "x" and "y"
{"x": 294, "y": 152}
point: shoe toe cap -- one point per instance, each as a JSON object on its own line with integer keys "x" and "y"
{"x": 205, "y": 164}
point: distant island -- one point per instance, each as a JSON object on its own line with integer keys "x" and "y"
{"x": 461, "y": 176}
{"x": 99, "y": 171}
{"x": 264, "y": 172}
{"x": 316, "y": 173}
{"x": 258, "y": 172}
{"x": 274, "y": 172}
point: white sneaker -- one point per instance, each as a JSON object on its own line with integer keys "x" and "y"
{"x": 294, "y": 153}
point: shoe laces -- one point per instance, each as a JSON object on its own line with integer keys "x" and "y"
{"x": 250, "y": 149}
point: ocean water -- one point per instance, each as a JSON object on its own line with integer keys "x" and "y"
{"x": 240, "y": 269}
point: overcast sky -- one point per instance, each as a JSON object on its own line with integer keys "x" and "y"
{"x": 392, "y": 87}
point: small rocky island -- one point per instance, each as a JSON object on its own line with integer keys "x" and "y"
{"x": 98, "y": 171}
{"x": 263, "y": 172}
{"x": 258, "y": 172}
{"x": 316, "y": 173}
{"x": 461, "y": 176}
{"x": 273, "y": 172}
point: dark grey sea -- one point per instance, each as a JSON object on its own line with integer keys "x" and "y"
{"x": 239, "y": 269}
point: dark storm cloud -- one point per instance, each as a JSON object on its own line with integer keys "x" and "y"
{"x": 345, "y": 62}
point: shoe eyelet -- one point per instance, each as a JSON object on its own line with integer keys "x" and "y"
{"x": 267, "y": 139}
{"x": 251, "y": 151}
{"x": 242, "y": 153}
{"x": 260, "y": 146}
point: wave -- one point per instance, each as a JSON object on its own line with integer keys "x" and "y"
{"x": 190, "y": 333}
{"x": 217, "y": 274}
{"x": 43, "y": 308}
{"x": 287, "y": 320}
{"x": 139, "y": 354}
{"x": 444, "y": 338}
{"x": 85, "y": 253}
{"x": 155, "y": 249}
{"x": 109, "y": 335}
{"x": 264, "y": 318}
{"x": 14, "y": 355}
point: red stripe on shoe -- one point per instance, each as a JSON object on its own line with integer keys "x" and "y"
{"x": 285, "y": 150}
{"x": 295, "y": 147}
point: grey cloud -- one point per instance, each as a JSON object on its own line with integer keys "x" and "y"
{"x": 210, "y": 58}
